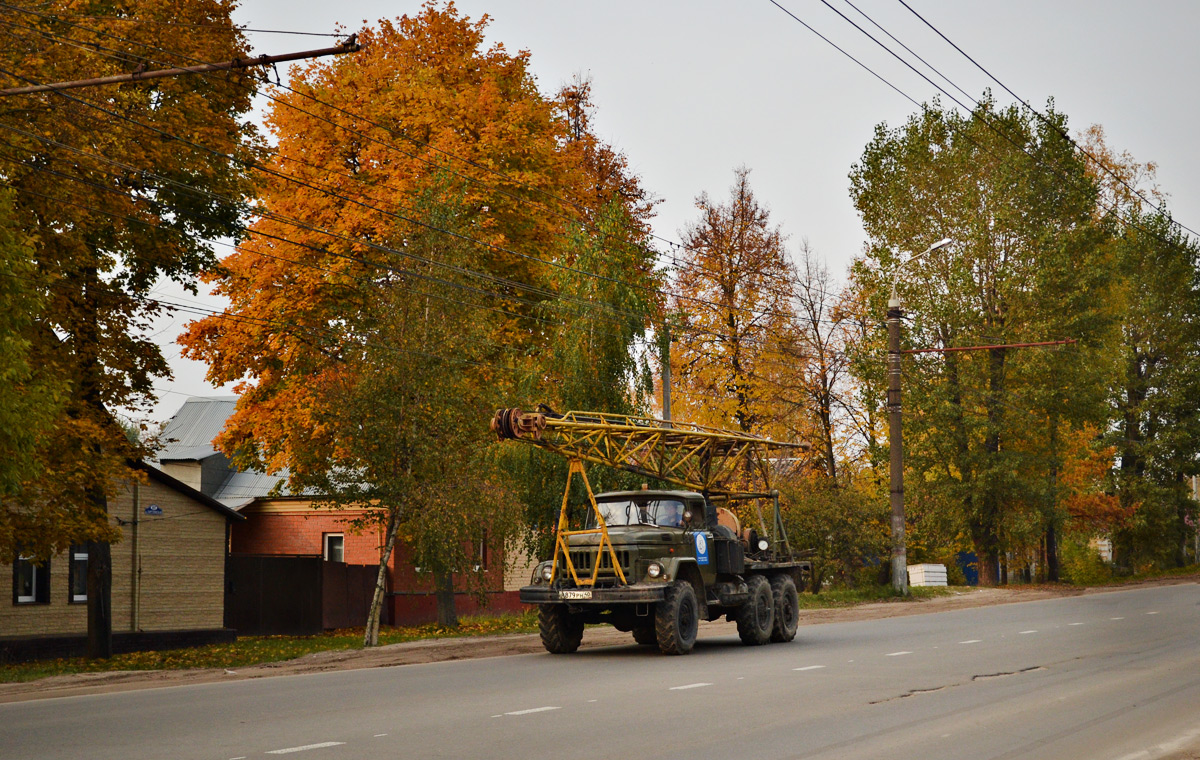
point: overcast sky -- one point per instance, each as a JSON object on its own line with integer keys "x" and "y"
{"x": 691, "y": 90}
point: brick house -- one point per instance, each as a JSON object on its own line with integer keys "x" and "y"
{"x": 284, "y": 524}
{"x": 168, "y": 578}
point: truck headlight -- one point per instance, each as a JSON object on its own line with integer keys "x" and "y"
{"x": 547, "y": 573}
{"x": 654, "y": 570}
{"x": 762, "y": 544}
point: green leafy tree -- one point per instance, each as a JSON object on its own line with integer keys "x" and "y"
{"x": 1157, "y": 394}
{"x": 1028, "y": 263}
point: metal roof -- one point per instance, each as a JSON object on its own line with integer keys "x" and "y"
{"x": 241, "y": 488}
{"x": 188, "y": 435}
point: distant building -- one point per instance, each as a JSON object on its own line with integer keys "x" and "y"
{"x": 282, "y": 524}
{"x": 168, "y": 578}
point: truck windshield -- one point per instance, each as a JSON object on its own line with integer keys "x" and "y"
{"x": 664, "y": 512}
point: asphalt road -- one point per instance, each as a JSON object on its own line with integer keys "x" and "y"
{"x": 1114, "y": 675}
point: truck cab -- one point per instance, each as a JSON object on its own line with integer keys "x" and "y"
{"x": 643, "y": 554}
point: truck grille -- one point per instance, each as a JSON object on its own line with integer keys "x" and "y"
{"x": 585, "y": 559}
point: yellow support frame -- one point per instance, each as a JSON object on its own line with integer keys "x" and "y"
{"x": 562, "y": 535}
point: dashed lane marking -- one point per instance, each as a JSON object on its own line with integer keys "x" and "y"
{"x": 689, "y": 686}
{"x": 290, "y": 750}
{"x": 533, "y": 710}
{"x": 1117, "y": 618}
{"x": 810, "y": 667}
{"x": 379, "y": 735}
{"x": 1074, "y": 623}
{"x": 1025, "y": 632}
{"x": 1152, "y": 613}
{"x": 896, "y": 654}
{"x": 971, "y": 641}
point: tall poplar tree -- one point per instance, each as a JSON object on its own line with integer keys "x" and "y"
{"x": 1028, "y": 263}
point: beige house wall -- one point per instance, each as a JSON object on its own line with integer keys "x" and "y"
{"x": 518, "y": 569}
{"x": 181, "y": 557}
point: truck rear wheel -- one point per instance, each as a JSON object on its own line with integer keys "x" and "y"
{"x": 561, "y": 631}
{"x": 787, "y": 608}
{"x": 756, "y": 617}
{"x": 676, "y": 619}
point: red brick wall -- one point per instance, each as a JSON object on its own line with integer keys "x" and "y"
{"x": 292, "y": 527}
{"x": 416, "y": 609}
{"x": 301, "y": 533}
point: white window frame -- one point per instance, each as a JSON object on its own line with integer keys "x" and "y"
{"x": 325, "y": 546}
{"x": 35, "y": 570}
{"x": 79, "y": 552}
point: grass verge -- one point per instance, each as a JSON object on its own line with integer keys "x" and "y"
{"x": 848, "y": 597}
{"x": 255, "y": 650}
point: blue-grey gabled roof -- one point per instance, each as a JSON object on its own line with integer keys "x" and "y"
{"x": 188, "y": 435}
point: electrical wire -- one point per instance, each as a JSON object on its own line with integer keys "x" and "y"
{"x": 1050, "y": 123}
{"x": 359, "y": 117}
{"x": 974, "y": 113}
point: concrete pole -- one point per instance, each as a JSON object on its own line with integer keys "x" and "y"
{"x": 666, "y": 372}
{"x": 896, "y": 446}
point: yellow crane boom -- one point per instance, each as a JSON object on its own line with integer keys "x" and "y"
{"x": 718, "y": 463}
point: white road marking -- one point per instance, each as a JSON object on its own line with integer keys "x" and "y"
{"x": 971, "y": 641}
{"x": 243, "y": 757}
{"x": 1120, "y": 618}
{"x": 810, "y": 667}
{"x": 1074, "y": 623}
{"x": 896, "y": 654}
{"x": 532, "y": 710}
{"x": 498, "y": 716}
{"x": 1025, "y": 632}
{"x": 741, "y": 678}
{"x": 1152, "y": 613}
{"x": 290, "y": 750}
{"x": 689, "y": 686}
{"x": 379, "y": 735}
{"x": 591, "y": 700}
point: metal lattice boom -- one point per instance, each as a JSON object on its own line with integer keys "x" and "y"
{"x": 716, "y": 462}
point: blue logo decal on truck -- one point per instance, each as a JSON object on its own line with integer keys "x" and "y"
{"x": 701, "y": 549}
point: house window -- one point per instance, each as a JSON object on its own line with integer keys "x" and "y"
{"x": 79, "y": 558}
{"x": 335, "y": 544}
{"x": 31, "y": 583}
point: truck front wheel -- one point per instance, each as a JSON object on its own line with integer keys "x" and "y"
{"x": 676, "y": 619}
{"x": 756, "y": 617}
{"x": 787, "y": 608}
{"x": 561, "y": 631}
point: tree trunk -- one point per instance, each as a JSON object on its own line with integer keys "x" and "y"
{"x": 371, "y": 635}
{"x": 447, "y": 615}
{"x": 99, "y": 600}
{"x": 1051, "y": 560}
{"x": 90, "y": 404}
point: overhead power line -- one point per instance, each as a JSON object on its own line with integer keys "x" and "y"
{"x": 582, "y": 223}
{"x": 1103, "y": 166}
{"x": 973, "y": 113}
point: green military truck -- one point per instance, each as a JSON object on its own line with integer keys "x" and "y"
{"x": 656, "y": 563}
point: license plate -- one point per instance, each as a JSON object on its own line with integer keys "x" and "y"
{"x": 569, "y": 594}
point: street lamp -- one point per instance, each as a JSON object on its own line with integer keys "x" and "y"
{"x": 895, "y": 436}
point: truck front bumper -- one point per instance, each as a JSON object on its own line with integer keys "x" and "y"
{"x": 637, "y": 594}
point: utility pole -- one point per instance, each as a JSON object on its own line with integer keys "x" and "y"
{"x": 896, "y": 447}
{"x": 895, "y": 433}
{"x": 666, "y": 371}
{"x": 349, "y": 46}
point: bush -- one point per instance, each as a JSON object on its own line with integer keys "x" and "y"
{"x": 1081, "y": 565}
